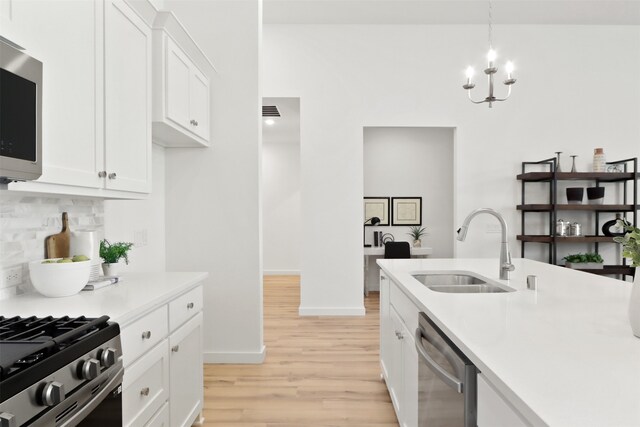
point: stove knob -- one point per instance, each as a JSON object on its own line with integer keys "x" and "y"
{"x": 8, "y": 420}
{"x": 108, "y": 357}
{"x": 52, "y": 393}
{"x": 89, "y": 369}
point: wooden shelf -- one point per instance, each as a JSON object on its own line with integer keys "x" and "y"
{"x": 579, "y": 176}
{"x": 567, "y": 207}
{"x": 611, "y": 269}
{"x": 559, "y": 239}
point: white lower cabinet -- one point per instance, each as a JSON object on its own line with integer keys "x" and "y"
{"x": 145, "y": 386}
{"x": 493, "y": 409}
{"x": 398, "y": 356}
{"x": 185, "y": 396}
{"x": 162, "y": 352}
{"x": 161, "y": 418}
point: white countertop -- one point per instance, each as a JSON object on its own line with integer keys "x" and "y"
{"x": 124, "y": 301}
{"x": 563, "y": 355}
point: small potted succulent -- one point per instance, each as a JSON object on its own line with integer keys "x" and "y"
{"x": 417, "y": 232}
{"x": 631, "y": 249}
{"x": 588, "y": 261}
{"x": 111, "y": 253}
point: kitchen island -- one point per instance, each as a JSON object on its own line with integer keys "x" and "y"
{"x": 160, "y": 319}
{"x": 562, "y": 355}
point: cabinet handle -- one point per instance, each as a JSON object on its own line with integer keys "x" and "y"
{"x": 196, "y": 122}
{"x": 102, "y": 174}
{"x": 400, "y": 336}
{"x": 112, "y": 175}
{"x": 189, "y": 306}
{"x": 146, "y": 335}
{"x": 175, "y": 348}
{"x": 383, "y": 278}
{"x": 144, "y": 391}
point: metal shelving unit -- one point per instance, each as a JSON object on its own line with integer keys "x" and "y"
{"x": 628, "y": 178}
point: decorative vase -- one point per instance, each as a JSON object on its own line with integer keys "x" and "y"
{"x": 634, "y": 305}
{"x": 417, "y": 243}
{"x": 111, "y": 269}
{"x": 575, "y": 195}
{"x": 595, "y": 195}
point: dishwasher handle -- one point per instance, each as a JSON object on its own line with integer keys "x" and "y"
{"x": 445, "y": 376}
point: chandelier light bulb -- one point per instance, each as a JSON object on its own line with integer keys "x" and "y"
{"x": 509, "y": 68}
{"x": 491, "y": 56}
{"x": 470, "y": 72}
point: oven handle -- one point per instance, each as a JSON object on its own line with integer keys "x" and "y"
{"x": 96, "y": 400}
{"x": 445, "y": 376}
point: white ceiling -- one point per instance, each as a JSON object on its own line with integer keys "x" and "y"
{"x": 286, "y": 128}
{"x": 572, "y": 12}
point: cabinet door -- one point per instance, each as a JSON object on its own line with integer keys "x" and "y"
{"x": 386, "y": 338}
{"x": 127, "y": 99}
{"x": 178, "y": 73}
{"x": 199, "y": 105}
{"x": 409, "y": 379}
{"x": 394, "y": 367}
{"x": 186, "y": 391}
{"x": 66, "y": 36}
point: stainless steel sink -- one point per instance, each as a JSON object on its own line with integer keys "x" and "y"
{"x": 459, "y": 283}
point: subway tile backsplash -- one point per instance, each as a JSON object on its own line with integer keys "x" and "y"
{"x": 25, "y": 221}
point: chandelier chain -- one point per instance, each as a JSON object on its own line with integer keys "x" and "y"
{"x": 490, "y": 24}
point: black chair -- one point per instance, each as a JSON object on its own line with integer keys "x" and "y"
{"x": 397, "y": 250}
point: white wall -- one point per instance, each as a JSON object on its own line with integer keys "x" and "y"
{"x": 281, "y": 206}
{"x": 213, "y": 194}
{"x": 577, "y": 89}
{"x": 141, "y": 222}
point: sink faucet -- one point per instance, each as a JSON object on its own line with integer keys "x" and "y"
{"x": 505, "y": 256}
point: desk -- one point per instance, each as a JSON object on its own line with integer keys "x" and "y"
{"x": 378, "y": 252}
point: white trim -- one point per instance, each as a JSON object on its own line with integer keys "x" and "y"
{"x": 254, "y": 358}
{"x": 331, "y": 311}
{"x": 281, "y": 272}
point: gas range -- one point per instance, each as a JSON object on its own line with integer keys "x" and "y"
{"x": 57, "y": 371}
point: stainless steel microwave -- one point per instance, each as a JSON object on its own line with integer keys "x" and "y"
{"x": 20, "y": 115}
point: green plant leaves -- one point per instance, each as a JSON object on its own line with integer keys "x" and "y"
{"x": 630, "y": 243}
{"x": 588, "y": 257}
{"x": 111, "y": 253}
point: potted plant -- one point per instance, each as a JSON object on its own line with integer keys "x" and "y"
{"x": 584, "y": 261}
{"x": 111, "y": 253}
{"x": 417, "y": 232}
{"x": 631, "y": 249}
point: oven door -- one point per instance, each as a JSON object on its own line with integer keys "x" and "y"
{"x": 447, "y": 380}
{"x": 97, "y": 403}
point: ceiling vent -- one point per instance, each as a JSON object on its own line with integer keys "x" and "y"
{"x": 270, "y": 111}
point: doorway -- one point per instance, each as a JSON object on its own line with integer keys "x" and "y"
{"x": 412, "y": 162}
{"x": 281, "y": 218}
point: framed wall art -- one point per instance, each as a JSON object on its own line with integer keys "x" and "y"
{"x": 406, "y": 211}
{"x": 376, "y": 206}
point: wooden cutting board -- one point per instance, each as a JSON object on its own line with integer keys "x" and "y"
{"x": 57, "y": 245}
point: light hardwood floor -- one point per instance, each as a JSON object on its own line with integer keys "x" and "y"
{"x": 319, "y": 371}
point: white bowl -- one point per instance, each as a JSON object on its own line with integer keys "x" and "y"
{"x": 59, "y": 280}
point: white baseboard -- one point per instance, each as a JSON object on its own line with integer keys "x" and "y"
{"x": 243, "y": 358}
{"x": 331, "y": 311}
{"x": 281, "y": 272}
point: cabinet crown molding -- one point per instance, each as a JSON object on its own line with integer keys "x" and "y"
{"x": 168, "y": 22}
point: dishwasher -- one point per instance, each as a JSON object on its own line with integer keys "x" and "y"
{"x": 447, "y": 388}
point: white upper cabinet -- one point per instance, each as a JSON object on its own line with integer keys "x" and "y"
{"x": 72, "y": 56}
{"x": 96, "y": 110}
{"x": 181, "y": 104}
{"x": 127, "y": 99}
